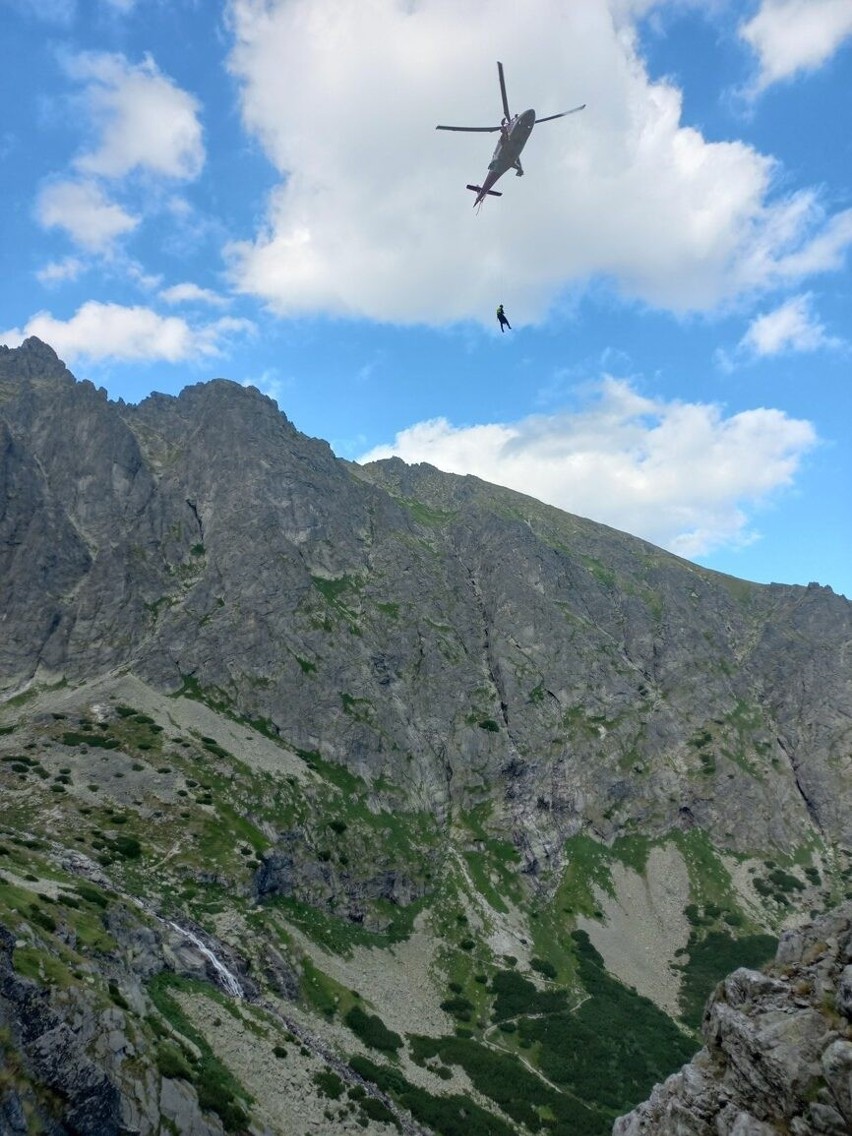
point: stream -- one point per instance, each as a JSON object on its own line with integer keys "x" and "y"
{"x": 228, "y": 980}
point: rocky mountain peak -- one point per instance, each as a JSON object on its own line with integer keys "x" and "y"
{"x": 212, "y": 392}
{"x": 476, "y": 630}
{"x": 32, "y": 360}
{"x": 496, "y": 794}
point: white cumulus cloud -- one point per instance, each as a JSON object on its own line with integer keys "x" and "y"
{"x": 141, "y": 118}
{"x": 138, "y": 121}
{"x": 793, "y": 326}
{"x": 371, "y": 218}
{"x": 682, "y": 475}
{"x": 189, "y": 293}
{"x": 790, "y": 36}
{"x": 83, "y": 210}
{"x": 59, "y": 271}
{"x": 100, "y": 331}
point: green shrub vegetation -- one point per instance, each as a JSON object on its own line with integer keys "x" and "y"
{"x": 459, "y": 1007}
{"x": 454, "y": 1115}
{"x": 100, "y": 741}
{"x": 126, "y": 846}
{"x": 587, "y": 866}
{"x": 613, "y": 1048}
{"x": 333, "y": 589}
{"x": 337, "y": 774}
{"x": 172, "y": 1063}
{"x": 516, "y": 996}
{"x": 710, "y": 959}
{"x": 329, "y": 1084}
{"x": 785, "y": 881}
{"x": 212, "y": 746}
{"x": 218, "y": 1090}
{"x": 518, "y": 1092}
{"x": 92, "y": 894}
{"x": 543, "y": 967}
{"x": 372, "y": 1030}
{"x": 339, "y": 935}
{"x": 374, "y": 1109}
{"x": 43, "y": 918}
{"x": 117, "y": 997}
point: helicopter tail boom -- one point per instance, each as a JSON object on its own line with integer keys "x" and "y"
{"x": 490, "y": 192}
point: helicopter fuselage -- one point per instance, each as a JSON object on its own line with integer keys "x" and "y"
{"x": 514, "y": 135}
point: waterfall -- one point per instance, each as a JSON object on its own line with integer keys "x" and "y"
{"x": 228, "y": 979}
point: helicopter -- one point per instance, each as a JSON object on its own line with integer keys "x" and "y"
{"x": 514, "y": 134}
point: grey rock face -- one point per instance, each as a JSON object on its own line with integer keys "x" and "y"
{"x": 456, "y": 641}
{"x": 13, "y": 1119}
{"x": 77, "y": 1056}
{"x": 90, "y": 1100}
{"x": 295, "y": 872}
{"x": 179, "y": 1104}
{"x": 836, "y": 1063}
{"x": 776, "y": 1059}
{"x": 844, "y": 993}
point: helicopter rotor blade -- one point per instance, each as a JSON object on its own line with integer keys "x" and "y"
{"x": 506, "y": 110}
{"x": 471, "y": 129}
{"x": 551, "y": 117}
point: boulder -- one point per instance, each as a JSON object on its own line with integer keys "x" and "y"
{"x": 774, "y": 1061}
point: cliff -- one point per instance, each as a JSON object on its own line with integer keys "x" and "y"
{"x": 422, "y": 629}
{"x": 475, "y": 801}
{"x": 778, "y": 1048}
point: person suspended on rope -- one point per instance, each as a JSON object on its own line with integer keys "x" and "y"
{"x": 502, "y": 320}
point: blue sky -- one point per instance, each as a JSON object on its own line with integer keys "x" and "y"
{"x": 255, "y": 189}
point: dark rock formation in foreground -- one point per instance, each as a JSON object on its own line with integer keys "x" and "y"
{"x": 778, "y": 1052}
{"x": 72, "y": 1064}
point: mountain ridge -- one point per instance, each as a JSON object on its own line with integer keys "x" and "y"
{"x": 234, "y": 527}
{"x": 349, "y": 722}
